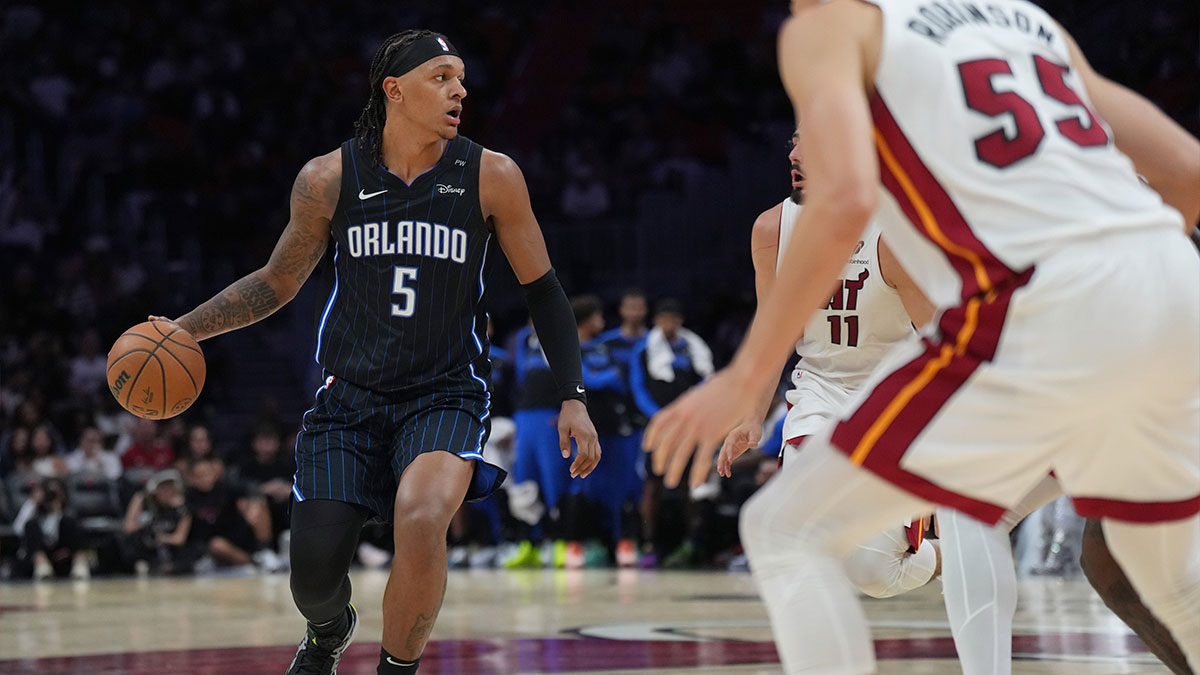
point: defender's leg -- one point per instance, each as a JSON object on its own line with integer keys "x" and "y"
{"x": 1113, "y": 587}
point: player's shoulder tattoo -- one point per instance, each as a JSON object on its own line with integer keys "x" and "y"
{"x": 317, "y": 186}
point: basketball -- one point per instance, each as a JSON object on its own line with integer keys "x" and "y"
{"x": 155, "y": 370}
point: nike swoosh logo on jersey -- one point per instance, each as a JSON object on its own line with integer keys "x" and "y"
{"x": 579, "y": 388}
{"x": 362, "y": 194}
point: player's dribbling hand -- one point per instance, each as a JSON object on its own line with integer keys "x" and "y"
{"x": 701, "y": 418}
{"x": 573, "y": 422}
{"x": 745, "y": 436}
{"x": 165, "y": 319}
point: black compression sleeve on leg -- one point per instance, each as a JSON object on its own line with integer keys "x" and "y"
{"x": 324, "y": 538}
{"x": 556, "y": 330}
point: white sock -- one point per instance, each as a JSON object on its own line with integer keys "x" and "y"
{"x": 980, "y": 587}
{"x": 1162, "y": 561}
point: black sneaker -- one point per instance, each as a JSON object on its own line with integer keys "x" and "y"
{"x": 319, "y": 654}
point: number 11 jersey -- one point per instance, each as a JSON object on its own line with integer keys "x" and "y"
{"x": 404, "y": 312}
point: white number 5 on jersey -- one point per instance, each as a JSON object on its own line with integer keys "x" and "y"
{"x": 408, "y": 295}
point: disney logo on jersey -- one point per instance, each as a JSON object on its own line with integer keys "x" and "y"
{"x": 443, "y": 189}
{"x": 407, "y": 237}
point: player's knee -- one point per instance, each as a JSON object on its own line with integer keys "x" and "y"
{"x": 765, "y": 527}
{"x": 420, "y": 523}
{"x": 883, "y": 567}
{"x": 874, "y": 572}
{"x": 314, "y": 584}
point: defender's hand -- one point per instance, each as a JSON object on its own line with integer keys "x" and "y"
{"x": 745, "y": 436}
{"x": 701, "y": 418}
{"x": 573, "y": 422}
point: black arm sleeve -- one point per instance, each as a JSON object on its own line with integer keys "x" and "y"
{"x": 555, "y": 325}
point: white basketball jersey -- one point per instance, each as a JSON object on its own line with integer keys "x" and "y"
{"x": 860, "y": 323}
{"x": 991, "y": 156}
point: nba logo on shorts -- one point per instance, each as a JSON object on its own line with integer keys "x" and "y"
{"x": 445, "y": 47}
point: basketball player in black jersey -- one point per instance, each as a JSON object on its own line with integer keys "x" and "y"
{"x": 409, "y": 209}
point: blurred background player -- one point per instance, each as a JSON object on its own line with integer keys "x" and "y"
{"x": 398, "y": 427}
{"x": 668, "y": 361}
{"x": 619, "y": 343}
{"x": 602, "y": 497}
{"x": 556, "y": 517}
{"x": 539, "y": 479}
{"x": 864, "y": 318}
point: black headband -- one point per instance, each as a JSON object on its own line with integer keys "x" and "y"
{"x": 416, "y": 53}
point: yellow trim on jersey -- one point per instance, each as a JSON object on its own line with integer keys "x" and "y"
{"x": 914, "y": 387}
{"x": 926, "y": 214}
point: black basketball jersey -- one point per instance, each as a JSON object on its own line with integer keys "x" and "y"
{"x": 404, "y": 313}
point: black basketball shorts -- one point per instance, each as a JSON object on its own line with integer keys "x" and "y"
{"x": 356, "y": 443}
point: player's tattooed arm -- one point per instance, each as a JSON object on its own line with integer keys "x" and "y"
{"x": 257, "y": 295}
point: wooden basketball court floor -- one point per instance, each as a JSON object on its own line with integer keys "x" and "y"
{"x": 496, "y": 621}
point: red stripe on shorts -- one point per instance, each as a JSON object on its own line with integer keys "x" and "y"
{"x": 1136, "y": 512}
{"x": 881, "y": 430}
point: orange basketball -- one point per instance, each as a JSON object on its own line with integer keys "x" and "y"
{"x": 155, "y": 370}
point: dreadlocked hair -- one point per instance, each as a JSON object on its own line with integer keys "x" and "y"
{"x": 368, "y": 129}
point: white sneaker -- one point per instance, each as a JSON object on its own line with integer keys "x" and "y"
{"x": 80, "y": 571}
{"x": 141, "y": 568}
{"x": 484, "y": 558}
{"x": 42, "y": 569}
{"x": 268, "y": 561}
{"x": 373, "y": 557}
{"x": 546, "y": 553}
{"x": 457, "y": 557}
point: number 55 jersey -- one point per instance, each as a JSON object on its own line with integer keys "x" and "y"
{"x": 991, "y": 154}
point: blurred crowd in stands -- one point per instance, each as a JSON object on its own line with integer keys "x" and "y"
{"x": 145, "y": 155}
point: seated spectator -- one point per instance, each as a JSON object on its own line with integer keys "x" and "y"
{"x": 148, "y": 448}
{"x": 87, "y": 369}
{"x": 156, "y": 528}
{"x": 174, "y": 435}
{"x": 584, "y": 196}
{"x": 50, "y": 537}
{"x": 198, "y": 445}
{"x": 91, "y": 457}
{"x": 48, "y": 461}
{"x": 115, "y": 424}
{"x": 16, "y": 453}
{"x": 233, "y": 528}
{"x": 269, "y": 472}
